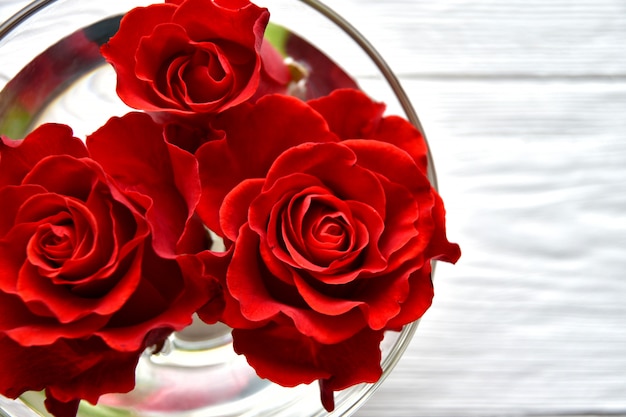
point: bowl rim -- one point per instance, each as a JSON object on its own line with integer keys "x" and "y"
{"x": 366, "y": 390}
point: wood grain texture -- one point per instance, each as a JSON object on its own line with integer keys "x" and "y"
{"x": 524, "y": 104}
{"x": 531, "y": 320}
{"x": 490, "y": 38}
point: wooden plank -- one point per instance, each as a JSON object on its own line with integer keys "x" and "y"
{"x": 487, "y": 38}
{"x": 530, "y": 321}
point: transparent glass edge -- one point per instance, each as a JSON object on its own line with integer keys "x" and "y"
{"x": 12, "y": 22}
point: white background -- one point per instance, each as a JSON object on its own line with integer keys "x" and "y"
{"x": 524, "y": 105}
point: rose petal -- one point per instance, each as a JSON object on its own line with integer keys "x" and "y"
{"x": 350, "y": 113}
{"x": 68, "y": 370}
{"x": 34, "y": 368}
{"x": 245, "y": 281}
{"x": 288, "y": 358}
{"x": 208, "y": 19}
{"x": 134, "y": 143}
{"x": 325, "y": 328}
{"x": 209, "y": 268}
{"x": 119, "y": 51}
{"x": 285, "y": 357}
{"x": 12, "y": 198}
{"x": 440, "y": 248}
{"x": 19, "y": 157}
{"x": 110, "y": 371}
{"x": 262, "y": 296}
{"x": 233, "y": 212}
{"x": 165, "y": 45}
{"x": 353, "y": 115}
{"x": 399, "y": 132}
{"x": 167, "y": 300}
{"x": 61, "y": 408}
{"x": 257, "y": 135}
{"x": 418, "y": 300}
{"x": 322, "y": 303}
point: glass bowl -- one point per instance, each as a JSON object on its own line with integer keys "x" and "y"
{"x": 52, "y": 72}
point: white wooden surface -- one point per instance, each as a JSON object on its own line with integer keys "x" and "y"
{"x": 524, "y": 104}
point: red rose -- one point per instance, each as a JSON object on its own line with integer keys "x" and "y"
{"x": 188, "y": 57}
{"x": 93, "y": 241}
{"x": 332, "y": 224}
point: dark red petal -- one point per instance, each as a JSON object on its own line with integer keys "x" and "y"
{"x": 383, "y": 295}
{"x": 369, "y": 226}
{"x": 285, "y": 357}
{"x": 322, "y": 303}
{"x": 65, "y": 224}
{"x": 275, "y": 265}
{"x": 168, "y": 297}
{"x": 353, "y": 115}
{"x": 285, "y": 235}
{"x": 265, "y": 211}
{"x": 401, "y": 133}
{"x": 19, "y": 157}
{"x": 66, "y": 175}
{"x": 350, "y": 113}
{"x": 13, "y": 312}
{"x": 419, "y": 298}
{"x": 289, "y": 358}
{"x": 136, "y": 24}
{"x": 232, "y": 4}
{"x": 218, "y": 176}
{"x": 209, "y": 268}
{"x": 400, "y": 222}
{"x": 156, "y": 53}
{"x": 391, "y": 162}
{"x": 121, "y": 48}
{"x": 156, "y": 50}
{"x": 353, "y": 361}
{"x": 319, "y": 228}
{"x": 440, "y": 248}
{"x": 12, "y": 198}
{"x": 209, "y": 77}
{"x": 263, "y": 296}
{"x": 398, "y": 167}
{"x": 337, "y": 167}
{"x": 274, "y": 64}
{"x": 274, "y": 124}
{"x": 327, "y": 396}
{"x": 256, "y": 136}
{"x": 233, "y": 212}
{"x": 12, "y": 248}
{"x": 363, "y": 227}
{"x": 133, "y": 151}
{"x": 111, "y": 372}
{"x": 68, "y": 306}
{"x": 20, "y": 374}
{"x": 230, "y": 315}
{"x": 324, "y": 328}
{"x": 242, "y": 23}
{"x": 245, "y": 281}
{"x": 35, "y": 368}
{"x": 275, "y": 75}
{"x": 61, "y": 408}
{"x": 43, "y": 332}
{"x": 187, "y": 182}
